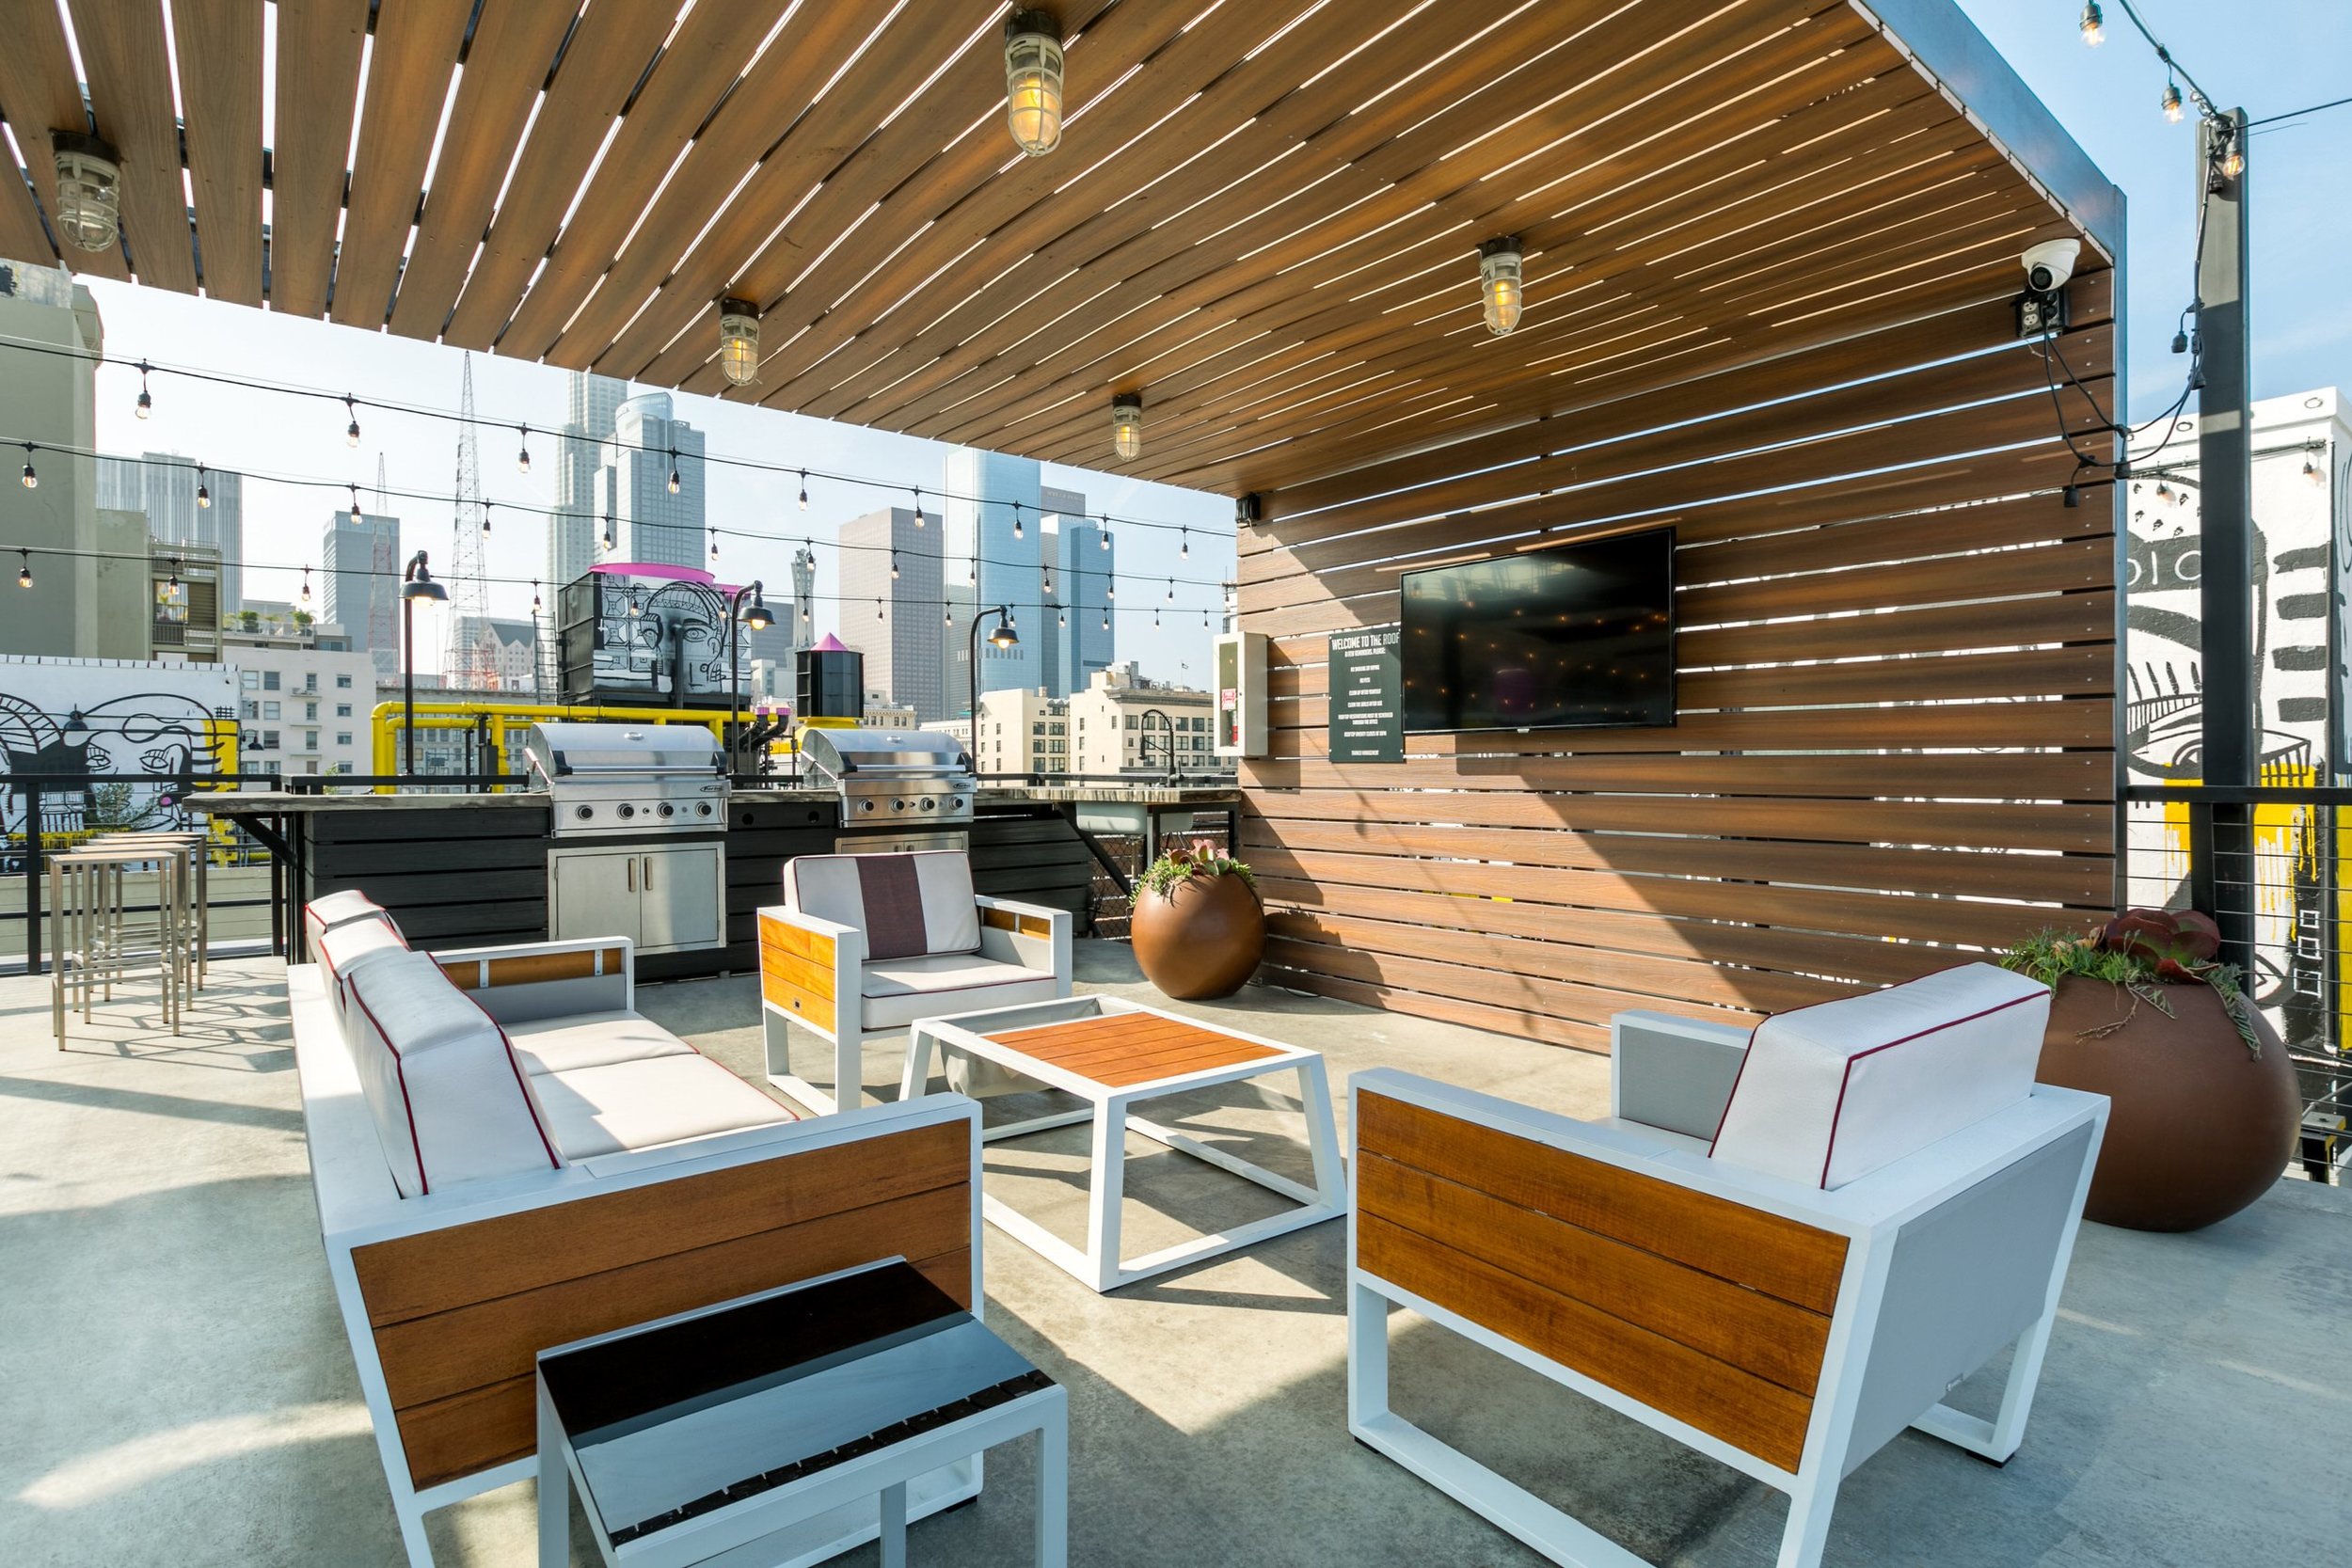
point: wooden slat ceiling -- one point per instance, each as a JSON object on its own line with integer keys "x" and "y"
{"x": 1262, "y": 215}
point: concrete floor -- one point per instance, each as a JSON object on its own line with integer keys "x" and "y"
{"x": 174, "y": 1386}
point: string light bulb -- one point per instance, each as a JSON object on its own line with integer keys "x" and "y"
{"x": 894, "y": 564}
{"x": 634, "y": 606}
{"x": 1184, "y": 548}
{"x": 534, "y": 595}
{"x": 172, "y": 582}
{"x": 918, "y": 507}
{"x": 1106, "y": 620}
{"x": 1065, "y": 620}
{"x": 1033, "y": 81}
{"x": 30, "y": 480}
{"x": 805, "y": 489}
{"x": 972, "y": 570}
{"x": 2313, "y": 472}
{"x": 738, "y": 340}
{"x": 522, "y": 458}
{"x": 355, "y": 506}
{"x": 1016, "y": 520}
{"x": 1110, "y": 588}
{"x": 1127, "y": 425}
{"x": 25, "y": 568}
{"x": 305, "y": 585}
{"x": 673, "y": 471}
{"x": 605, "y": 542}
{"x": 714, "y": 543}
{"x": 2172, "y": 101}
{"x": 2233, "y": 161}
{"x": 878, "y": 609}
{"x": 1171, "y": 591}
{"x": 146, "y": 405}
{"x": 351, "y": 432}
{"x": 1501, "y": 284}
{"x": 485, "y": 517}
{"x": 1102, "y": 536}
{"x": 2094, "y": 23}
{"x": 203, "y": 496}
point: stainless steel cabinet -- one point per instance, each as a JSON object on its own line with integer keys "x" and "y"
{"x": 666, "y": 898}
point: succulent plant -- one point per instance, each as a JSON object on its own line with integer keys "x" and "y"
{"x": 2142, "y": 951}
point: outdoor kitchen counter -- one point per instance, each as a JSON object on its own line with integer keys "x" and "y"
{"x": 276, "y": 802}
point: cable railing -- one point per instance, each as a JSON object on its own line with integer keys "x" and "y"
{"x": 2269, "y": 863}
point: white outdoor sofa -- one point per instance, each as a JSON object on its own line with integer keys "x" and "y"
{"x": 1782, "y": 1252}
{"x": 863, "y": 945}
{"x": 508, "y": 1157}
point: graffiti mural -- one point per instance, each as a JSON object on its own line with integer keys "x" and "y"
{"x": 647, "y": 636}
{"x": 172, "y": 725}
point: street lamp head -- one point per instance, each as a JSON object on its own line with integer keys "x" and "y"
{"x": 757, "y": 616}
{"x": 417, "y": 583}
{"x": 1005, "y": 635}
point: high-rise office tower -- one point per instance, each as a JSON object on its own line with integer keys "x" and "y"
{"x": 362, "y": 566}
{"x": 896, "y": 621}
{"x": 1084, "y": 629}
{"x": 992, "y": 523}
{"x": 651, "y": 523}
{"x": 591, "y": 402}
{"x": 164, "y": 485}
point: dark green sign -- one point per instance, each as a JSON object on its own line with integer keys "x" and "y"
{"x": 1367, "y": 702}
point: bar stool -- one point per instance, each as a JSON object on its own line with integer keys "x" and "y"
{"x": 192, "y": 845}
{"x": 99, "y": 941}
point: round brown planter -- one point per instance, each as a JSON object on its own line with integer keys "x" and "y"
{"x": 1203, "y": 939}
{"x": 2199, "y": 1127}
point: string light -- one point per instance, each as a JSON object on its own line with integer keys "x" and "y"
{"x": 635, "y": 608}
{"x": 894, "y": 564}
{"x": 714, "y": 543}
{"x": 2172, "y": 101}
{"x": 673, "y": 471}
{"x": 972, "y": 570}
{"x": 878, "y": 609}
{"x": 918, "y": 506}
{"x": 534, "y": 595}
{"x": 1171, "y": 591}
{"x": 1103, "y": 534}
{"x": 1106, "y": 620}
{"x": 203, "y": 496}
{"x": 146, "y": 405}
{"x": 25, "y": 568}
{"x": 351, "y": 433}
{"x": 951, "y": 615}
{"x": 522, "y": 458}
{"x": 485, "y": 517}
{"x": 31, "y": 480}
{"x": 606, "y": 543}
{"x": 805, "y": 489}
{"x": 305, "y": 585}
{"x": 1110, "y": 586}
{"x": 2233, "y": 161}
{"x": 2094, "y": 23}
{"x": 355, "y": 506}
{"x": 1185, "y": 549}
{"x": 2313, "y": 472}
{"x": 173, "y": 581}
{"x": 1065, "y": 620}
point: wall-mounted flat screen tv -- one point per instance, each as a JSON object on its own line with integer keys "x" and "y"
{"x": 1579, "y": 636}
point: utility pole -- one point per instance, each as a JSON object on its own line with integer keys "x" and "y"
{"x": 2224, "y": 867}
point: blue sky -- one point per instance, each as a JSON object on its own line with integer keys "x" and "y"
{"x": 2268, "y": 55}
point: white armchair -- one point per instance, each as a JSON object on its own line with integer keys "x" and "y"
{"x": 863, "y": 945}
{"x": 1820, "y": 1233}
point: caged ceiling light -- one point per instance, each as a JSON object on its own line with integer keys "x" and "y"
{"x": 1033, "y": 64}
{"x": 1498, "y": 283}
{"x": 89, "y": 190}
{"x": 738, "y": 340}
{"x": 1127, "y": 425}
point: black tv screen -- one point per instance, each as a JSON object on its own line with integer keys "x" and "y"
{"x": 1579, "y": 636}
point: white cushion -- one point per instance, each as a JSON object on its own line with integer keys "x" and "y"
{"x": 907, "y": 905}
{"x": 322, "y": 916}
{"x": 451, "y": 1105}
{"x": 591, "y": 1039}
{"x": 658, "y": 1099}
{"x": 1832, "y": 1092}
{"x": 900, "y": 990}
{"x": 340, "y": 951}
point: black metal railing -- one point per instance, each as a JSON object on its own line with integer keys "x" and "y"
{"x": 2267, "y": 863}
{"x": 42, "y": 811}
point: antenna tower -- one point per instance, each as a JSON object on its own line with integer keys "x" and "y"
{"x": 469, "y": 664}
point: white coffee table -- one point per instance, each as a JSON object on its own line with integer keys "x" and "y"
{"x": 1114, "y": 1054}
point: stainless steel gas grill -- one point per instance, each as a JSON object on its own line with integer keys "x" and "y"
{"x": 638, "y": 820}
{"x": 901, "y": 789}
{"x": 610, "y": 779}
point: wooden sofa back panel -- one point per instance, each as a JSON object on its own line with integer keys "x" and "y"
{"x": 410, "y": 1277}
{"x": 459, "y": 1313}
{"x": 1712, "y": 1313}
{"x": 1793, "y": 1262}
{"x": 527, "y": 969}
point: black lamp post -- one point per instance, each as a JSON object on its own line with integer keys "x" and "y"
{"x": 1005, "y": 635}
{"x": 415, "y": 583}
{"x": 757, "y": 619}
{"x": 1145, "y": 738}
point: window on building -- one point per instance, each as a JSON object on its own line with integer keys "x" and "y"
{"x": 1038, "y": 728}
{"x": 343, "y": 710}
{"x": 311, "y": 710}
{"x": 269, "y": 740}
{"x": 269, "y": 680}
{"x": 342, "y": 682}
{"x": 1131, "y": 720}
{"x": 312, "y": 765}
{"x": 249, "y": 679}
{"x": 269, "y": 710}
{"x": 342, "y": 738}
{"x": 252, "y": 710}
{"x": 310, "y": 740}
{"x": 310, "y": 680}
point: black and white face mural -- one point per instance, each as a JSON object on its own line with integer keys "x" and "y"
{"x": 168, "y": 738}
{"x": 677, "y": 635}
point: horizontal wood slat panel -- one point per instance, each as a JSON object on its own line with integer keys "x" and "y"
{"x": 1759, "y": 993}
{"x": 414, "y": 1275}
{"x": 1781, "y": 1257}
{"x": 1743, "y": 1328}
{"x": 484, "y": 1427}
{"x": 2033, "y": 776}
{"x": 1546, "y": 1028}
{"x": 1743, "y": 1410}
{"x": 491, "y": 1341}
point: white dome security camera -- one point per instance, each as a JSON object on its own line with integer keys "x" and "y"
{"x": 2049, "y": 265}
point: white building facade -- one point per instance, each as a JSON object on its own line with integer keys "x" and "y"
{"x": 1116, "y": 725}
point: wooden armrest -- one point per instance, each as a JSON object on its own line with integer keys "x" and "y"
{"x": 527, "y": 963}
{"x": 806, "y": 963}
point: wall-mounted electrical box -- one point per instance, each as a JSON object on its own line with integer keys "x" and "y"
{"x": 1239, "y": 688}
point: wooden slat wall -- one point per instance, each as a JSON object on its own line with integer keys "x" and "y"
{"x": 459, "y": 1314}
{"x": 1896, "y": 650}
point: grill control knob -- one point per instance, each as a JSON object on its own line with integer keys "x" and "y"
{"x": 665, "y": 809}
{"x": 865, "y": 805}
{"x": 583, "y": 812}
{"x": 626, "y": 810}
{"x": 898, "y": 805}
{"x": 931, "y": 802}
{"x": 702, "y": 808}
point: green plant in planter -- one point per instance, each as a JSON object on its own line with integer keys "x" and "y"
{"x": 2143, "y": 951}
{"x": 1177, "y": 867}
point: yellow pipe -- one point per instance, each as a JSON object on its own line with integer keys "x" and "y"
{"x": 387, "y": 720}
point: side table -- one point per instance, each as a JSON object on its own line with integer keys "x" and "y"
{"x": 807, "y": 1420}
